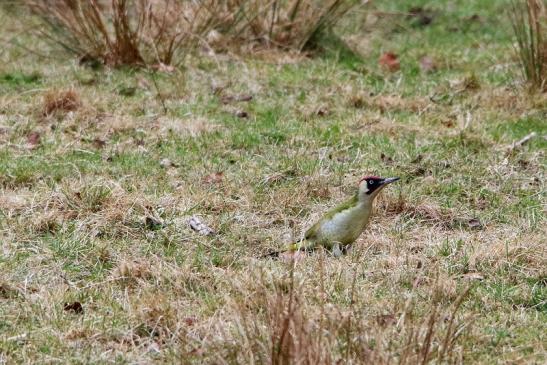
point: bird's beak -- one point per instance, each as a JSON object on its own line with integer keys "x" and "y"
{"x": 389, "y": 180}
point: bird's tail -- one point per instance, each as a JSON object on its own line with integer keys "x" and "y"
{"x": 293, "y": 247}
{"x": 275, "y": 254}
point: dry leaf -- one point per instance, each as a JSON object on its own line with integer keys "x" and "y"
{"x": 390, "y": 61}
{"x": 99, "y": 143}
{"x": 33, "y": 139}
{"x": 190, "y": 321}
{"x": 215, "y": 178}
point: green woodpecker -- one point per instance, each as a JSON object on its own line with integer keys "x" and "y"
{"x": 342, "y": 225}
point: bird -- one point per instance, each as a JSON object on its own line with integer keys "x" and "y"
{"x": 339, "y": 227}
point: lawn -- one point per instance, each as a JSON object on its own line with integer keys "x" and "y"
{"x": 100, "y": 170}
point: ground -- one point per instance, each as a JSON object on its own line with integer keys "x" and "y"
{"x": 100, "y": 171}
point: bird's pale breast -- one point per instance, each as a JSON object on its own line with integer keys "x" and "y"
{"x": 344, "y": 227}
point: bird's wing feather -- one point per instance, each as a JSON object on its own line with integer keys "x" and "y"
{"x": 311, "y": 233}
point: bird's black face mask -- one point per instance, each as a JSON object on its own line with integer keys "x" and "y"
{"x": 375, "y": 183}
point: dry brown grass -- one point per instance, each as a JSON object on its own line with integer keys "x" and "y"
{"x": 127, "y": 32}
{"x": 288, "y": 321}
{"x": 73, "y": 213}
{"x": 60, "y": 101}
{"x": 529, "y": 18}
{"x": 291, "y": 24}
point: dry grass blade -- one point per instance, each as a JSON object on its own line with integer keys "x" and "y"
{"x": 450, "y": 336}
{"x": 529, "y": 19}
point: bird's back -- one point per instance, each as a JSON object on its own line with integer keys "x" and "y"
{"x": 342, "y": 224}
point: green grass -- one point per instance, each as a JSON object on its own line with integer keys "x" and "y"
{"x": 73, "y": 208}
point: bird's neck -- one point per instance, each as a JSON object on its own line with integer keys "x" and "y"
{"x": 364, "y": 200}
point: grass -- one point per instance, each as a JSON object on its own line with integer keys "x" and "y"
{"x": 469, "y": 213}
{"x": 529, "y": 18}
{"x": 138, "y": 33}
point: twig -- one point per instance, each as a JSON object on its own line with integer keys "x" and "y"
{"x": 521, "y": 141}
{"x": 449, "y": 334}
{"x": 160, "y": 96}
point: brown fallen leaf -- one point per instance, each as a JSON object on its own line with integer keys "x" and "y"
{"x": 33, "y": 139}
{"x": 99, "y": 143}
{"x": 190, "y": 321}
{"x": 390, "y": 61}
{"x": 215, "y": 178}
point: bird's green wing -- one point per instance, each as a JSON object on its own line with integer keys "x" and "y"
{"x": 312, "y": 231}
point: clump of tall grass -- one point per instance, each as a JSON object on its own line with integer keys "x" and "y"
{"x": 286, "y": 327}
{"x": 529, "y": 19}
{"x": 127, "y": 32}
{"x": 145, "y": 32}
{"x": 284, "y": 24}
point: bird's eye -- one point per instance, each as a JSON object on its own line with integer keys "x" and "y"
{"x": 371, "y": 182}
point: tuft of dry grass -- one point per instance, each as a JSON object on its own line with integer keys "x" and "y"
{"x": 291, "y": 24}
{"x": 287, "y": 322}
{"x": 127, "y": 32}
{"x": 529, "y": 19}
{"x": 60, "y": 101}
